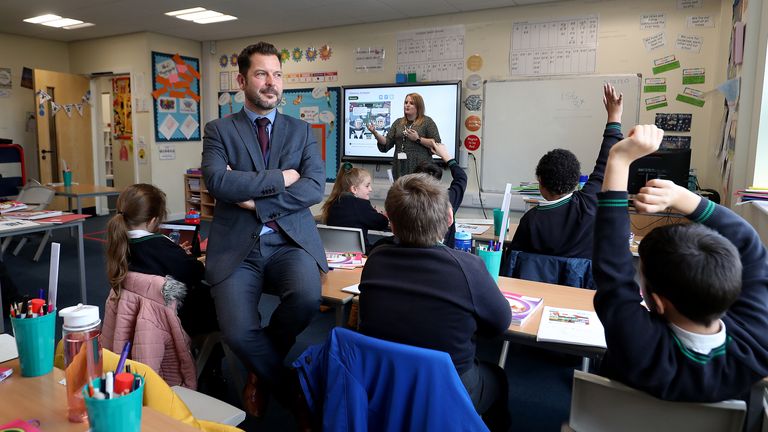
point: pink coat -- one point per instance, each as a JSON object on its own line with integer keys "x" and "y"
{"x": 142, "y": 316}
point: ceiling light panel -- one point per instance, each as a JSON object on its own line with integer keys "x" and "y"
{"x": 185, "y": 11}
{"x": 42, "y": 18}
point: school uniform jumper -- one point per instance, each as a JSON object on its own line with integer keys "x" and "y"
{"x": 353, "y": 212}
{"x": 158, "y": 255}
{"x": 442, "y": 299}
{"x": 455, "y": 196}
{"x": 564, "y": 228}
{"x": 643, "y": 352}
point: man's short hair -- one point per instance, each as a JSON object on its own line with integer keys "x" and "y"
{"x": 558, "y": 171}
{"x": 263, "y": 48}
{"x": 694, "y": 267}
{"x": 431, "y": 168}
{"x": 418, "y": 207}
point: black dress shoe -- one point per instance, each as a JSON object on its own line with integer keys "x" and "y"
{"x": 255, "y": 396}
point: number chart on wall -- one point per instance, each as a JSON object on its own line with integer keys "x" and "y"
{"x": 319, "y": 107}
{"x": 176, "y": 93}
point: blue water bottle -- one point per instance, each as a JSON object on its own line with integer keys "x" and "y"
{"x": 583, "y": 180}
{"x": 463, "y": 241}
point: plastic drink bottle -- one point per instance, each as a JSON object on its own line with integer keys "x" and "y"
{"x": 463, "y": 241}
{"x": 82, "y": 355}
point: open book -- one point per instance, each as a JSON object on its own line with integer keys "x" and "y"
{"x": 9, "y": 206}
{"x": 33, "y": 214}
{"x": 522, "y": 307}
{"x": 344, "y": 259}
{"x": 571, "y": 326}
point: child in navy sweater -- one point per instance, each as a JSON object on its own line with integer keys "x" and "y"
{"x": 563, "y": 224}
{"x": 706, "y": 284}
{"x": 349, "y": 204}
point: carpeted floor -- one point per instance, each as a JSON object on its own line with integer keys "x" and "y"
{"x": 540, "y": 382}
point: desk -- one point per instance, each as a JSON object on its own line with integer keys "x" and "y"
{"x": 83, "y": 191}
{"x": 488, "y": 234}
{"x": 44, "y": 399}
{"x": 78, "y": 224}
{"x": 553, "y": 295}
{"x": 332, "y": 294}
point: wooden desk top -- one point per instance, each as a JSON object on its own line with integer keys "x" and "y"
{"x": 44, "y": 399}
{"x": 553, "y": 295}
{"x": 488, "y": 234}
{"x": 85, "y": 189}
{"x": 337, "y": 279}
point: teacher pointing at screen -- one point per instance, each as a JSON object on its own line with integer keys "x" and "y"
{"x": 413, "y": 136}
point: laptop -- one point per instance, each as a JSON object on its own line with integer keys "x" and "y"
{"x": 181, "y": 233}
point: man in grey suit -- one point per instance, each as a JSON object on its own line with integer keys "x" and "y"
{"x": 265, "y": 171}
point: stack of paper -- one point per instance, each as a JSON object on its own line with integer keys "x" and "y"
{"x": 33, "y": 214}
{"x": 9, "y": 206}
{"x": 571, "y": 326}
{"x": 344, "y": 259}
{"x": 523, "y": 307}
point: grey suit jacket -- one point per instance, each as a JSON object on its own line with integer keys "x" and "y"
{"x": 234, "y": 231}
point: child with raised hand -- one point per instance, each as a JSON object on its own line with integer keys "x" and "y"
{"x": 562, "y": 224}
{"x": 704, "y": 336}
{"x": 349, "y": 204}
{"x": 134, "y": 244}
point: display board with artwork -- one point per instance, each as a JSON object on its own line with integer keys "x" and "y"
{"x": 176, "y": 94}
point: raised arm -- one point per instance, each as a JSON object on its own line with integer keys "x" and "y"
{"x": 614, "y": 106}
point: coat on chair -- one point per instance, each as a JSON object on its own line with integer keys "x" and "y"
{"x": 575, "y": 272}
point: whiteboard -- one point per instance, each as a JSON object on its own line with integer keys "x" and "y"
{"x": 525, "y": 118}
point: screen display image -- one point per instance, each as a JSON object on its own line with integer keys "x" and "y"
{"x": 181, "y": 234}
{"x": 672, "y": 164}
{"x": 382, "y": 104}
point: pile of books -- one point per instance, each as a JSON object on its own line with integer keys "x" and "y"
{"x": 11, "y": 205}
{"x": 523, "y": 307}
{"x": 33, "y": 214}
{"x": 753, "y": 194}
{"x": 344, "y": 259}
{"x": 527, "y": 188}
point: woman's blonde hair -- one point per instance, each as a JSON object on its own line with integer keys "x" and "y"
{"x": 419, "y": 102}
{"x": 137, "y": 204}
{"x": 347, "y": 177}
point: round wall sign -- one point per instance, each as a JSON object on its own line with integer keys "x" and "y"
{"x": 474, "y": 82}
{"x": 474, "y": 62}
{"x": 473, "y": 123}
{"x": 472, "y": 142}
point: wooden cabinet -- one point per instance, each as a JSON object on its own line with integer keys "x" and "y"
{"x": 196, "y": 196}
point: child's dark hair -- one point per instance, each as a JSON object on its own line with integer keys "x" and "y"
{"x": 694, "y": 267}
{"x": 137, "y": 204}
{"x": 558, "y": 171}
{"x": 347, "y": 177}
{"x": 431, "y": 168}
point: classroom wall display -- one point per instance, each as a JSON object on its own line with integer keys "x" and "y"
{"x": 122, "y": 126}
{"x": 567, "y": 112}
{"x": 674, "y": 122}
{"x": 230, "y": 102}
{"x": 176, "y": 92}
{"x": 320, "y": 107}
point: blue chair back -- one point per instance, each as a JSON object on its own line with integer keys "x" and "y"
{"x": 575, "y": 272}
{"x": 356, "y": 382}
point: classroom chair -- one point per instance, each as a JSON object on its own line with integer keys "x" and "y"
{"x": 341, "y": 239}
{"x": 354, "y": 382}
{"x": 36, "y": 197}
{"x": 575, "y": 272}
{"x": 599, "y": 404}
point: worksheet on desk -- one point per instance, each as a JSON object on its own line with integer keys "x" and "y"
{"x": 7, "y": 348}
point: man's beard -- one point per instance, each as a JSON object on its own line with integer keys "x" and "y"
{"x": 264, "y": 104}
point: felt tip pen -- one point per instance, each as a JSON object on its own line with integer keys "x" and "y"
{"x": 109, "y": 387}
{"x": 123, "y": 356}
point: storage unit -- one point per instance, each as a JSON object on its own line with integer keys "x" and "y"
{"x": 196, "y": 196}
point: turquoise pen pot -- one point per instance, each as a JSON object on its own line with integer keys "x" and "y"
{"x": 35, "y": 342}
{"x": 121, "y": 414}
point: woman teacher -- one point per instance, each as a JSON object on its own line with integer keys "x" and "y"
{"x": 414, "y": 136}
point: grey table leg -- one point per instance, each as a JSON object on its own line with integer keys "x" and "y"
{"x": 81, "y": 260}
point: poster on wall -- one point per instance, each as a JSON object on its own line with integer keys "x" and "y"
{"x": 122, "y": 127}
{"x": 319, "y": 107}
{"x": 230, "y": 102}
{"x": 176, "y": 94}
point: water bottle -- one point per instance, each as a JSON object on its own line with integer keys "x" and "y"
{"x": 583, "y": 180}
{"x": 82, "y": 355}
{"x": 463, "y": 241}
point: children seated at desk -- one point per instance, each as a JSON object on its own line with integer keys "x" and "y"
{"x": 419, "y": 292}
{"x": 455, "y": 190}
{"x": 349, "y": 204}
{"x": 563, "y": 224}
{"x": 705, "y": 338}
{"x": 133, "y": 244}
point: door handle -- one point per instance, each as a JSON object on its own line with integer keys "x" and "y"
{"x": 44, "y": 151}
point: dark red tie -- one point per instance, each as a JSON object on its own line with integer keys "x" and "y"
{"x": 263, "y": 136}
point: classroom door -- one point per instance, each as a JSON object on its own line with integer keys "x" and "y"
{"x": 63, "y": 132}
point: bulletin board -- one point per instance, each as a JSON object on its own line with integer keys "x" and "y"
{"x": 230, "y": 102}
{"x": 319, "y": 107}
{"x": 176, "y": 94}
